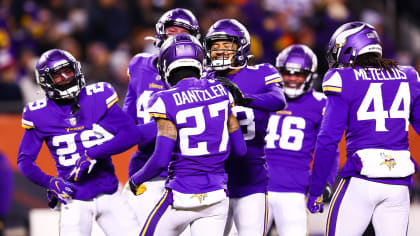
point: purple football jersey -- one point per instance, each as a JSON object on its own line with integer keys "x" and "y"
{"x": 290, "y": 142}
{"x": 248, "y": 175}
{"x": 144, "y": 81}
{"x": 200, "y": 110}
{"x": 68, "y": 135}
{"x": 375, "y": 107}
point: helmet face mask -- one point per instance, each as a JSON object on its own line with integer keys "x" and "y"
{"x": 222, "y": 52}
{"x": 351, "y": 40}
{"x": 178, "y": 17}
{"x": 298, "y": 63}
{"x": 180, "y": 50}
{"x": 59, "y": 74}
{"x": 232, "y": 31}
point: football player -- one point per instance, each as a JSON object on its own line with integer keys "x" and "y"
{"x": 290, "y": 141}
{"x": 196, "y": 129}
{"x": 144, "y": 81}
{"x": 257, "y": 93}
{"x": 373, "y": 100}
{"x": 82, "y": 127}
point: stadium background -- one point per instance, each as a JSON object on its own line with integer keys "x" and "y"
{"x": 105, "y": 34}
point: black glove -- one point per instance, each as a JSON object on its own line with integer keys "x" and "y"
{"x": 328, "y": 193}
{"x": 52, "y": 199}
{"x": 236, "y": 92}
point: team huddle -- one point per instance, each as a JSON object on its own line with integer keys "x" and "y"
{"x": 225, "y": 144}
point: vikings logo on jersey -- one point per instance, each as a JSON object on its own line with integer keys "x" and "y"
{"x": 200, "y": 196}
{"x": 388, "y": 161}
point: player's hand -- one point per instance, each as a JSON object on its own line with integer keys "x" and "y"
{"x": 327, "y": 194}
{"x": 61, "y": 190}
{"x": 83, "y": 164}
{"x": 315, "y": 204}
{"x": 236, "y": 92}
{"x": 52, "y": 199}
{"x": 137, "y": 189}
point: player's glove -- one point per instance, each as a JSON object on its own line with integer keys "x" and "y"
{"x": 136, "y": 189}
{"x": 315, "y": 204}
{"x": 83, "y": 164}
{"x": 236, "y": 92}
{"x": 327, "y": 194}
{"x": 59, "y": 189}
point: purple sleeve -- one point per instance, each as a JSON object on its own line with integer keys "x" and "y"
{"x": 136, "y": 162}
{"x": 332, "y": 127}
{"x": 129, "y": 106}
{"x": 28, "y": 152}
{"x": 334, "y": 169}
{"x": 125, "y": 133}
{"x": 272, "y": 100}
{"x": 6, "y": 186}
{"x": 415, "y": 114}
{"x": 238, "y": 143}
{"x": 158, "y": 162}
{"x": 148, "y": 133}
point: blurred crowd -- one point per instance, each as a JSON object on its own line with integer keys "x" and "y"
{"x": 105, "y": 34}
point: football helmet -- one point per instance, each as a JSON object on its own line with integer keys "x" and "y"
{"x": 49, "y": 64}
{"x": 351, "y": 40}
{"x": 231, "y": 30}
{"x": 180, "y": 50}
{"x": 176, "y": 17}
{"x": 297, "y": 58}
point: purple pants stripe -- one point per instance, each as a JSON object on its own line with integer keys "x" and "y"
{"x": 265, "y": 215}
{"x": 157, "y": 212}
{"x": 335, "y": 206}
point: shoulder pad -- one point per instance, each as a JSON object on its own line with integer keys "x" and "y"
{"x": 31, "y": 111}
{"x": 270, "y": 73}
{"x": 411, "y": 73}
{"x": 140, "y": 58}
{"x": 102, "y": 91}
{"x": 141, "y": 61}
{"x": 157, "y": 108}
{"x": 332, "y": 83}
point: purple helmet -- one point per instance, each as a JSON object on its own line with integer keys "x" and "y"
{"x": 297, "y": 58}
{"x": 51, "y": 62}
{"x": 180, "y": 50}
{"x": 232, "y": 30}
{"x": 176, "y": 17}
{"x": 351, "y": 40}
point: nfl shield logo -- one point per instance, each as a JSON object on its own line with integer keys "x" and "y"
{"x": 73, "y": 121}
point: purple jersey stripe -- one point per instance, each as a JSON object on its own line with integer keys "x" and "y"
{"x": 157, "y": 212}
{"x": 335, "y": 206}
